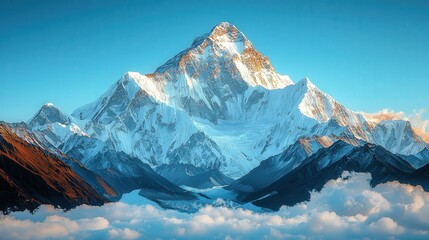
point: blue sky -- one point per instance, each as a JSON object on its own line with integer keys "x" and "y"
{"x": 368, "y": 55}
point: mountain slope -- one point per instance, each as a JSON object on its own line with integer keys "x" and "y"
{"x": 418, "y": 160}
{"x": 329, "y": 163}
{"x": 127, "y": 173}
{"x": 275, "y": 167}
{"x": 95, "y": 181}
{"x": 191, "y": 176}
{"x": 30, "y": 177}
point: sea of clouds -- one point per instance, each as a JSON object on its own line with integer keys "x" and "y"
{"x": 347, "y": 207}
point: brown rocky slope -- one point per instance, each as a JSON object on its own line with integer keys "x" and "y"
{"x": 30, "y": 177}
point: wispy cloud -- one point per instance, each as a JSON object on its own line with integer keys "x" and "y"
{"x": 345, "y": 208}
{"x": 419, "y": 124}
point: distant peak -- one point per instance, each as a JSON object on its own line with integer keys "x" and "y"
{"x": 49, "y": 105}
{"x": 48, "y": 113}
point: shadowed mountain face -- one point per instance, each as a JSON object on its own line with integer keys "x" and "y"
{"x": 30, "y": 177}
{"x": 126, "y": 173}
{"x": 330, "y": 163}
{"x": 273, "y": 168}
{"x": 418, "y": 160}
{"x": 191, "y": 176}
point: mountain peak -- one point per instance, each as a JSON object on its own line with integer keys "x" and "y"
{"x": 223, "y": 32}
{"x": 48, "y": 113}
{"x": 46, "y": 105}
{"x": 50, "y": 106}
{"x": 130, "y": 75}
{"x": 225, "y": 29}
{"x": 225, "y": 50}
{"x": 224, "y": 25}
{"x": 305, "y": 82}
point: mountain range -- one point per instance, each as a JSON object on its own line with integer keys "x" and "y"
{"x": 215, "y": 115}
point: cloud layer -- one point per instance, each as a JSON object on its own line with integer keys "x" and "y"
{"x": 419, "y": 124}
{"x": 345, "y": 208}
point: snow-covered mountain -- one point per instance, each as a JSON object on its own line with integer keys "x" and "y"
{"x": 219, "y": 104}
{"x": 52, "y": 126}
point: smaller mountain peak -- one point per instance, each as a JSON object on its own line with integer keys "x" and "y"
{"x": 47, "y": 114}
{"x": 49, "y": 105}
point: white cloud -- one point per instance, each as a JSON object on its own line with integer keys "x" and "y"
{"x": 125, "y": 233}
{"x": 54, "y": 226}
{"x": 93, "y": 224}
{"x": 386, "y": 225}
{"x": 345, "y": 208}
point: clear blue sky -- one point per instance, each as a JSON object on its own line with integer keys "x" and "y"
{"x": 369, "y": 55}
